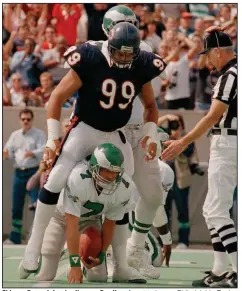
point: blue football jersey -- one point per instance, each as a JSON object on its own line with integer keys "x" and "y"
{"x": 106, "y": 97}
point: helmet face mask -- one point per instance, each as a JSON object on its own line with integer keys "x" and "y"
{"x": 123, "y": 45}
{"x": 109, "y": 157}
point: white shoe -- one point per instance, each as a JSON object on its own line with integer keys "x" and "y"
{"x": 28, "y": 265}
{"x": 134, "y": 255}
{"x": 128, "y": 275}
{"x": 8, "y": 242}
{"x": 181, "y": 246}
{"x": 24, "y": 273}
{"x": 109, "y": 257}
{"x": 147, "y": 269}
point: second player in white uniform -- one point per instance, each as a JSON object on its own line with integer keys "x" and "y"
{"x": 88, "y": 197}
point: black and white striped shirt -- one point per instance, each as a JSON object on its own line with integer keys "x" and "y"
{"x": 225, "y": 90}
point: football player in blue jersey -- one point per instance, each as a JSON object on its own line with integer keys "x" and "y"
{"x": 108, "y": 77}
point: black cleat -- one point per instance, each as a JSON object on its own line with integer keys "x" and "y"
{"x": 208, "y": 280}
{"x": 230, "y": 281}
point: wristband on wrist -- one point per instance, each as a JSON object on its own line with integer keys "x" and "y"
{"x": 150, "y": 129}
{"x": 166, "y": 238}
{"x": 75, "y": 261}
{"x": 53, "y": 126}
{"x": 101, "y": 257}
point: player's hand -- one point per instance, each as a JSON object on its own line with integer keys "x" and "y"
{"x": 214, "y": 28}
{"x": 93, "y": 262}
{"x": 151, "y": 148}
{"x": 172, "y": 150}
{"x": 75, "y": 275}
{"x": 166, "y": 251}
{"x": 50, "y": 154}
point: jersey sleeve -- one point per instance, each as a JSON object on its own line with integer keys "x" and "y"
{"x": 153, "y": 66}
{"x": 225, "y": 88}
{"x": 80, "y": 59}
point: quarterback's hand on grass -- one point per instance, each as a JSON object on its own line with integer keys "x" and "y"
{"x": 166, "y": 252}
{"x": 75, "y": 275}
{"x": 93, "y": 262}
{"x": 151, "y": 148}
{"x": 52, "y": 150}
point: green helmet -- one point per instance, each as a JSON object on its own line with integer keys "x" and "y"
{"x": 116, "y": 14}
{"x": 109, "y": 157}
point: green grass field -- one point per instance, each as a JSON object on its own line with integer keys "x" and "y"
{"x": 185, "y": 266}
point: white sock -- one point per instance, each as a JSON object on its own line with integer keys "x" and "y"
{"x": 220, "y": 264}
{"x": 142, "y": 224}
{"x": 119, "y": 244}
{"x": 43, "y": 214}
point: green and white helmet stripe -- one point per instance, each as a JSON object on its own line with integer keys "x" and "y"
{"x": 108, "y": 156}
{"x": 116, "y": 14}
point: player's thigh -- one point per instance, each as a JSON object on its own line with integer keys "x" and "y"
{"x": 222, "y": 180}
{"x": 118, "y": 138}
{"x": 53, "y": 244}
{"x": 79, "y": 143}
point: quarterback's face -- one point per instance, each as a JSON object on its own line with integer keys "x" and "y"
{"x": 108, "y": 175}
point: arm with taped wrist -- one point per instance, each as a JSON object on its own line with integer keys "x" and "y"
{"x": 161, "y": 224}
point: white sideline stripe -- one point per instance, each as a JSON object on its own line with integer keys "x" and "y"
{"x": 12, "y": 258}
{"x": 182, "y": 263}
{"x": 14, "y": 247}
{"x": 45, "y": 284}
{"x": 192, "y": 251}
{"x": 175, "y": 283}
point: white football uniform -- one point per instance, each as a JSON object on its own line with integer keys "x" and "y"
{"x": 165, "y": 180}
{"x": 81, "y": 199}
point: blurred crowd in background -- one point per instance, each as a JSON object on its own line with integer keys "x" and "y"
{"x": 35, "y": 37}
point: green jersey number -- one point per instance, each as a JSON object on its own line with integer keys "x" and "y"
{"x": 94, "y": 207}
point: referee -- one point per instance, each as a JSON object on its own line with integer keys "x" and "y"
{"x": 222, "y": 170}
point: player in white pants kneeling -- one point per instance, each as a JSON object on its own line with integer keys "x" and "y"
{"x": 95, "y": 189}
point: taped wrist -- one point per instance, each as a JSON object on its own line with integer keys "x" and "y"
{"x": 150, "y": 129}
{"x": 101, "y": 257}
{"x": 166, "y": 238}
{"x": 75, "y": 261}
{"x": 53, "y": 127}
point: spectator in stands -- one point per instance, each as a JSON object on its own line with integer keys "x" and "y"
{"x": 183, "y": 179}
{"x": 177, "y": 71}
{"x": 6, "y": 85}
{"x": 53, "y": 60}
{"x": 95, "y": 13}
{"x": 152, "y": 39}
{"x": 28, "y": 64}
{"x": 225, "y": 13}
{"x": 198, "y": 28}
{"x": 16, "y": 90}
{"x": 168, "y": 10}
{"x": 25, "y": 146}
{"x": 13, "y": 16}
{"x": 46, "y": 88}
{"x": 65, "y": 18}
{"x": 200, "y": 10}
{"x": 171, "y": 23}
{"x": 185, "y": 24}
{"x": 208, "y": 21}
{"x": 16, "y": 41}
{"x": 205, "y": 83}
{"x": 49, "y": 41}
